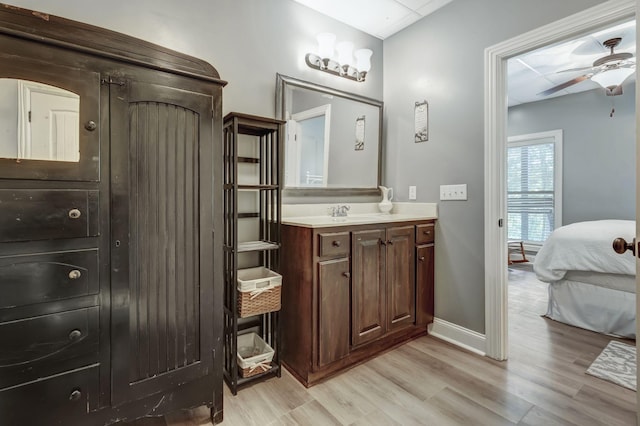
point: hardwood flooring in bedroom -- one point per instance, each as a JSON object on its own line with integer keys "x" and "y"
{"x": 430, "y": 382}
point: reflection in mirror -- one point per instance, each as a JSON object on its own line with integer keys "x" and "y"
{"x": 38, "y": 121}
{"x": 333, "y": 138}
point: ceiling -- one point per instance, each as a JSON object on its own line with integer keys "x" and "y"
{"x": 542, "y": 69}
{"x": 380, "y": 18}
{"x": 528, "y": 74}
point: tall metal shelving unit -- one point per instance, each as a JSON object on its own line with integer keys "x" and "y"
{"x": 263, "y": 198}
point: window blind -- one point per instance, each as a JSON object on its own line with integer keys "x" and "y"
{"x": 531, "y": 196}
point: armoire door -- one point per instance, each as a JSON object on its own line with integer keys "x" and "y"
{"x": 162, "y": 258}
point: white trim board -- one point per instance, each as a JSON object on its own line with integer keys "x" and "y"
{"x": 495, "y": 96}
{"x": 459, "y": 336}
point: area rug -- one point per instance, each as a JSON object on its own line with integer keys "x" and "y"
{"x": 616, "y": 364}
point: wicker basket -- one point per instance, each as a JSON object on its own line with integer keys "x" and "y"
{"x": 259, "y": 291}
{"x": 254, "y": 355}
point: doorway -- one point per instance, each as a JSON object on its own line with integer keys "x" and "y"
{"x": 495, "y": 153}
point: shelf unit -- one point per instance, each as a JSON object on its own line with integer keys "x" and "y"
{"x": 252, "y": 215}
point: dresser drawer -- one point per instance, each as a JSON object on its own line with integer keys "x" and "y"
{"x": 425, "y": 233}
{"x": 28, "y": 214}
{"x": 62, "y": 399}
{"x": 48, "y": 344}
{"x": 334, "y": 244}
{"x": 29, "y": 279}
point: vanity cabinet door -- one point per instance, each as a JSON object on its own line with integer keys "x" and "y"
{"x": 424, "y": 284}
{"x": 368, "y": 298}
{"x": 333, "y": 310}
{"x": 401, "y": 289}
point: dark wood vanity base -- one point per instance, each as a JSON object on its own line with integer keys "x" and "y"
{"x": 351, "y": 292}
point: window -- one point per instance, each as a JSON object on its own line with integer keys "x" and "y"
{"x": 534, "y": 186}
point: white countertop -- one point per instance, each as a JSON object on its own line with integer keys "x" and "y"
{"x": 315, "y": 215}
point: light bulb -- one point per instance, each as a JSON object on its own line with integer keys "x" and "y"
{"x": 363, "y": 59}
{"x": 325, "y": 45}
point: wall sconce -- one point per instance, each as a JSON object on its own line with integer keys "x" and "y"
{"x": 347, "y": 64}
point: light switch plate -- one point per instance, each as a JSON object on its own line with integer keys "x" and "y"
{"x": 453, "y": 192}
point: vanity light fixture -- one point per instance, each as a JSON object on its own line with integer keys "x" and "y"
{"x": 347, "y": 63}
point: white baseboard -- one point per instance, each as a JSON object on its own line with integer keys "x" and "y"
{"x": 459, "y": 336}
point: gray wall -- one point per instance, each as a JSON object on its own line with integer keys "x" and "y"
{"x": 441, "y": 59}
{"x": 247, "y": 41}
{"x": 599, "y": 152}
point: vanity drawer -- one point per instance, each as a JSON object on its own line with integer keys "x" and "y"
{"x": 48, "y": 344}
{"x": 38, "y": 278}
{"x": 28, "y": 214}
{"x": 334, "y": 244}
{"x": 61, "y": 399}
{"x": 425, "y": 233}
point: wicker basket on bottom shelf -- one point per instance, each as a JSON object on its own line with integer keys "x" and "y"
{"x": 259, "y": 291}
{"x": 254, "y": 355}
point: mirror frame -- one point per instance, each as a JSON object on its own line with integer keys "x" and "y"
{"x": 282, "y": 82}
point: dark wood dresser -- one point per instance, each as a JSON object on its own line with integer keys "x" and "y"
{"x": 110, "y": 259}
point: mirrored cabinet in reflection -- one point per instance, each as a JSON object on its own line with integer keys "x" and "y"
{"x": 38, "y": 121}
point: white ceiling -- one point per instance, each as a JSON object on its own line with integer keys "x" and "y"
{"x": 528, "y": 74}
{"x": 542, "y": 69}
{"x": 380, "y": 18}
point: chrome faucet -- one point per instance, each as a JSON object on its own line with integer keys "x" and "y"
{"x": 338, "y": 211}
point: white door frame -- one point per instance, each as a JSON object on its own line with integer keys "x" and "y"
{"x": 495, "y": 141}
{"x": 322, "y": 110}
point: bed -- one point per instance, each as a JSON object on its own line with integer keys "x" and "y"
{"x": 590, "y": 285}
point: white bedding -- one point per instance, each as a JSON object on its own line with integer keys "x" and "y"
{"x": 585, "y": 246}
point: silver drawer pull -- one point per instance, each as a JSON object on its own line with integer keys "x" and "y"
{"x": 90, "y": 125}
{"x": 75, "y": 335}
{"x": 74, "y": 213}
{"x": 336, "y": 243}
{"x": 75, "y": 274}
{"x": 75, "y": 395}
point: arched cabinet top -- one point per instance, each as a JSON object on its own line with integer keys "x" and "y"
{"x": 74, "y": 35}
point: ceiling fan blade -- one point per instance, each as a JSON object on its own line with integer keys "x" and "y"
{"x": 565, "y": 85}
{"x": 574, "y": 69}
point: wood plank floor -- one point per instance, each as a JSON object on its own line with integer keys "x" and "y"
{"x": 430, "y": 382}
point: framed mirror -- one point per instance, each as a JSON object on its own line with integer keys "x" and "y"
{"x": 333, "y": 143}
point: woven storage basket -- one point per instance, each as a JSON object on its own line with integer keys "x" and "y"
{"x": 259, "y": 291}
{"x": 254, "y": 355}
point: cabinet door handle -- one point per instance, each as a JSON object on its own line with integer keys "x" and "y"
{"x": 75, "y": 274}
{"x": 347, "y": 274}
{"x": 421, "y": 259}
{"x": 75, "y": 395}
{"x": 336, "y": 243}
{"x": 90, "y": 125}
{"x": 383, "y": 242}
{"x": 74, "y": 213}
{"x": 390, "y": 242}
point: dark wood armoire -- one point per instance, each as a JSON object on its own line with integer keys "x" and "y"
{"x": 110, "y": 226}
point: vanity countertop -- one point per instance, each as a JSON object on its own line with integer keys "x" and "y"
{"x": 364, "y": 214}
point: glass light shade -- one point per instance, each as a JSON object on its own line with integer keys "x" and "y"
{"x": 363, "y": 59}
{"x": 345, "y": 52}
{"x": 613, "y": 77}
{"x": 325, "y": 44}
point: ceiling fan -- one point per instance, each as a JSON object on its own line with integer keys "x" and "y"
{"x": 608, "y": 71}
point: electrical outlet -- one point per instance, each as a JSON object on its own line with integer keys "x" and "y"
{"x": 453, "y": 192}
{"x": 412, "y": 192}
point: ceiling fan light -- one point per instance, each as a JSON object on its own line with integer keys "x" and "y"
{"x": 612, "y": 78}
